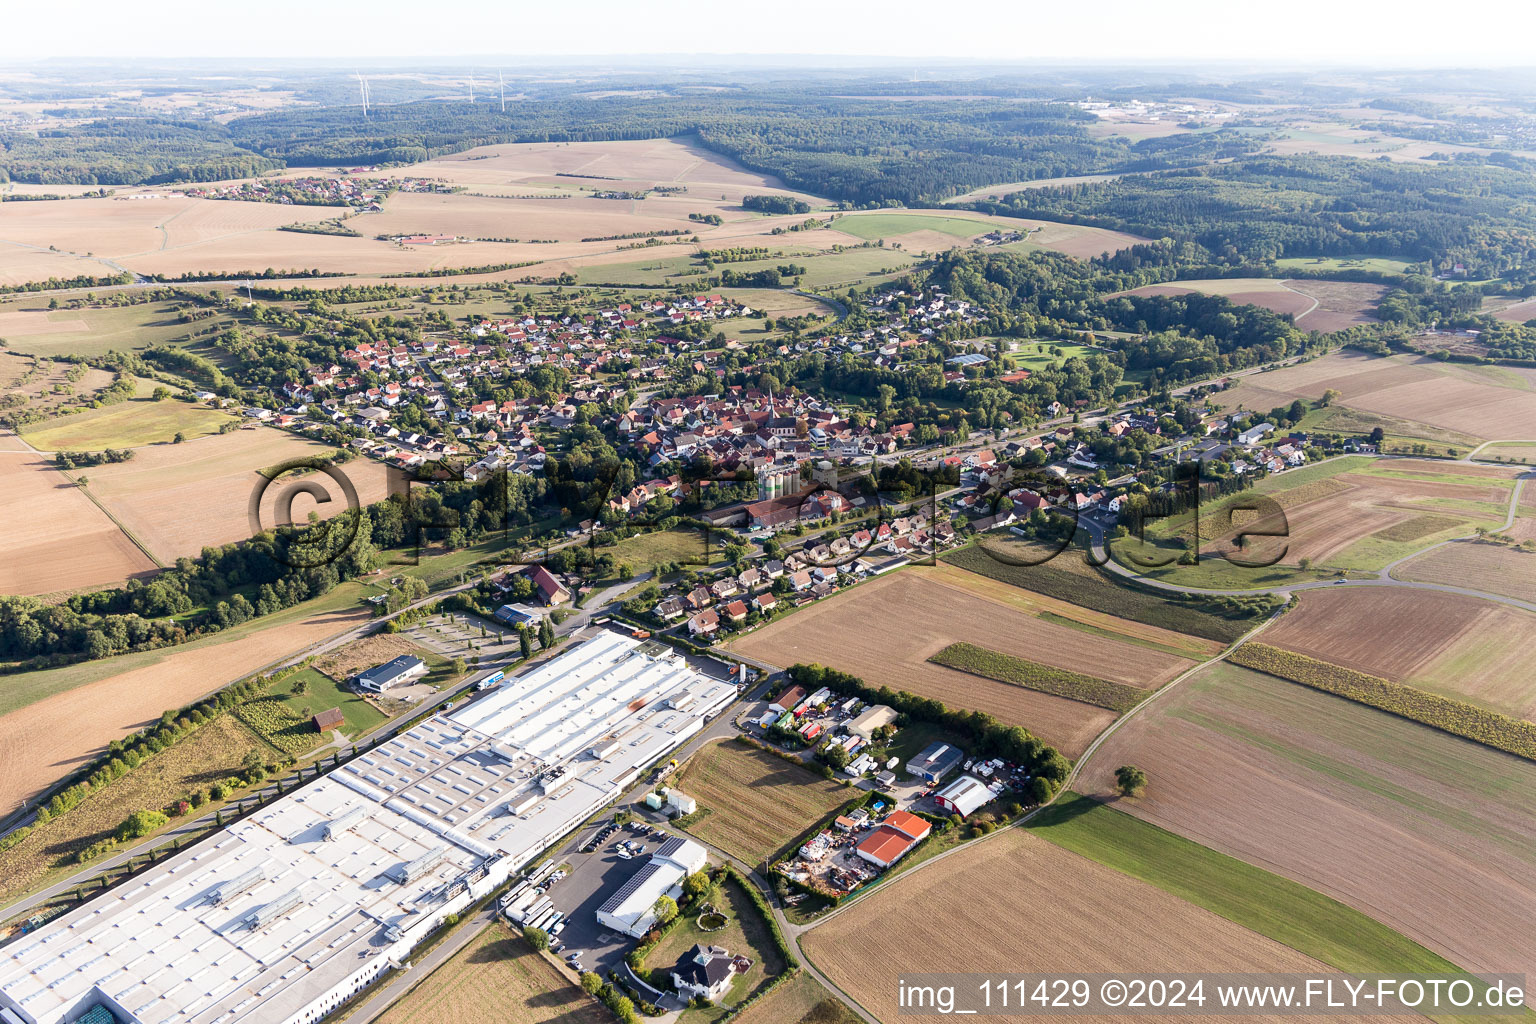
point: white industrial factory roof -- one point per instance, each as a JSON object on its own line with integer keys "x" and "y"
{"x": 497, "y": 780}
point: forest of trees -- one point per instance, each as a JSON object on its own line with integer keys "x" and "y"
{"x": 1257, "y": 208}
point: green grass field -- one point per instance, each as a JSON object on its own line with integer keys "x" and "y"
{"x": 95, "y": 332}
{"x": 1284, "y": 910}
{"x": 873, "y": 226}
{"x": 322, "y": 692}
{"x": 130, "y": 424}
{"x": 1035, "y": 355}
{"x": 1380, "y": 264}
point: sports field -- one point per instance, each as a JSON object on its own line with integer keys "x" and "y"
{"x": 1430, "y": 834}
{"x": 885, "y": 631}
{"x": 1067, "y": 905}
{"x": 757, "y": 802}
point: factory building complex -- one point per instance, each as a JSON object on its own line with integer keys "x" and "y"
{"x": 286, "y": 914}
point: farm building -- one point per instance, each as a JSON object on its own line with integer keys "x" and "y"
{"x": 964, "y": 796}
{"x": 291, "y": 911}
{"x": 551, "y": 591}
{"x": 935, "y": 761}
{"x": 875, "y": 717}
{"x": 629, "y": 910}
{"x": 330, "y": 718}
{"x": 397, "y": 672}
{"x": 897, "y": 835}
{"x": 788, "y": 700}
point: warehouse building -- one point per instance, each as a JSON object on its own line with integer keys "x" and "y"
{"x": 629, "y": 910}
{"x": 284, "y": 915}
{"x": 965, "y": 796}
{"x": 872, "y": 718}
{"x": 935, "y": 761}
{"x": 894, "y": 839}
{"x": 397, "y": 672}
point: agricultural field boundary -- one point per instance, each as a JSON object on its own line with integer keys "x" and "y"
{"x": 1264, "y": 902}
{"x": 125, "y": 531}
{"x": 1511, "y": 735}
{"x": 1060, "y": 682}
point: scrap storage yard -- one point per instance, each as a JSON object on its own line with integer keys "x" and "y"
{"x": 1428, "y": 833}
{"x": 286, "y": 914}
{"x": 884, "y": 632}
{"x": 973, "y": 911}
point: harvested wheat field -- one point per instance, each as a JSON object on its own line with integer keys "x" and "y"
{"x": 20, "y": 264}
{"x": 1061, "y": 909}
{"x": 756, "y": 801}
{"x": 497, "y": 978}
{"x": 1413, "y": 388}
{"x": 884, "y": 632}
{"x": 1271, "y": 293}
{"x": 1430, "y": 834}
{"x": 55, "y": 538}
{"x": 48, "y": 739}
{"x": 1460, "y": 646}
{"x": 178, "y": 499}
{"x": 1492, "y": 568}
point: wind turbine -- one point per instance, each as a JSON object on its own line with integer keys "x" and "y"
{"x": 362, "y": 88}
{"x": 471, "y": 88}
{"x": 501, "y": 87}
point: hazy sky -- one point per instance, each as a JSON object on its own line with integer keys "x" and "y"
{"x": 1493, "y": 33}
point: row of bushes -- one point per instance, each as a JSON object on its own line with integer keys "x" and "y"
{"x": 991, "y": 738}
{"x": 1456, "y": 717}
{"x": 1060, "y": 682}
{"x": 127, "y": 754}
{"x": 791, "y": 962}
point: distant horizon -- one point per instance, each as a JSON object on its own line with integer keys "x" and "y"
{"x": 1306, "y": 34}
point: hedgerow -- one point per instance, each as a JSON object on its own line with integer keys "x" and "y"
{"x": 1060, "y": 682}
{"x": 1513, "y": 735}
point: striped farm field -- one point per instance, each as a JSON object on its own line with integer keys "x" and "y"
{"x": 886, "y": 630}
{"x": 1059, "y": 907}
{"x": 1460, "y": 647}
{"x": 1007, "y": 669}
{"x": 1430, "y": 834}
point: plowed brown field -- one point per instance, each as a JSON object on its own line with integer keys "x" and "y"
{"x": 178, "y": 499}
{"x": 47, "y": 740}
{"x": 1432, "y": 835}
{"x": 1050, "y": 908}
{"x": 1460, "y": 646}
{"x": 55, "y": 538}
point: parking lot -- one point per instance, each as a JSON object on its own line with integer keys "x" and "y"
{"x": 462, "y": 638}
{"x": 592, "y": 879}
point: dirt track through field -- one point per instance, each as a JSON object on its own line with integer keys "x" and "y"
{"x": 1430, "y": 834}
